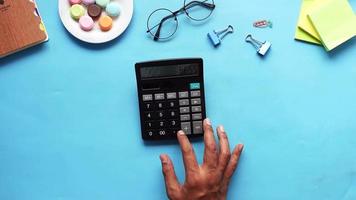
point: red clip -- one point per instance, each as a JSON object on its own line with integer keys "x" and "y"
{"x": 262, "y": 24}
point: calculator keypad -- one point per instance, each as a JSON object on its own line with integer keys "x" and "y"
{"x": 167, "y": 113}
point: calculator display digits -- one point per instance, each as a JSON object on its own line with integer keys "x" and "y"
{"x": 171, "y": 98}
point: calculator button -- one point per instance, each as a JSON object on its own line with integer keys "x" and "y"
{"x": 185, "y": 126}
{"x": 162, "y": 132}
{"x": 184, "y": 117}
{"x": 197, "y": 116}
{"x": 160, "y": 114}
{"x": 173, "y": 132}
{"x": 196, "y": 101}
{"x": 161, "y": 124}
{"x": 160, "y": 105}
{"x": 194, "y": 86}
{"x": 197, "y": 127}
{"x": 147, "y": 97}
{"x": 183, "y": 95}
{"x": 159, "y": 96}
{"x": 149, "y": 115}
{"x": 196, "y": 108}
{"x": 184, "y": 110}
{"x": 195, "y": 93}
{"x": 150, "y": 133}
{"x": 173, "y": 123}
{"x": 173, "y": 113}
{"x": 184, "y": 102}
{"x": 171, "y": 95}
{"x": 172, "y": 104}
{"x": 148, "y": 106}
{"x": 150, "y": 125}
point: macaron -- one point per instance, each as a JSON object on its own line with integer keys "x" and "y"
{"x": 105, "y": 23}
{"x": 76, "y": 11}
{"x": 88, "y": 2}
{"x": 102, "y": 3}
{"x": 72, "y": 2}
{"x": 86, "y": 23}
{"x": 94, "y": 11}
{"x": 113, "y": 9}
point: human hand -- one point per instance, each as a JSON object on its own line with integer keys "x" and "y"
{"x": 208, "y": 181}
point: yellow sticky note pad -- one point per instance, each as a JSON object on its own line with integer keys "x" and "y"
{"x": 304, "y": 22}
{"x": 305, "y": 30}
{"x": 304, "y": 36}
{"x": 334, "y": 22}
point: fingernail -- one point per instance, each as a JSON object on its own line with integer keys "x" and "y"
{"x": 221, "y": 128}
{"x": 181, "y": 133}
{"x": 207, "y": 121}
{"x": 163, "y": 159}
{"x": 241, "y": 147}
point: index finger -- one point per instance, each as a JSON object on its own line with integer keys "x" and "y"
{"x": 189, "y": 159}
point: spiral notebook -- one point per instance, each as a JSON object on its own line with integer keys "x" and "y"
{"x": 20, "y": 26}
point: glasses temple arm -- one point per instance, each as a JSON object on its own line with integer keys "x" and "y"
{"x": 194, "y": 3}
{"x": 158, "y": 32}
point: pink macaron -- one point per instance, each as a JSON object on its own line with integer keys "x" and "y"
{"x": 72, "y": 2}
{"x": 88, "y": 2}
{"x": 86, "y": 23}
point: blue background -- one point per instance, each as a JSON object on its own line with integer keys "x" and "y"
{"x": 69, "y": 120}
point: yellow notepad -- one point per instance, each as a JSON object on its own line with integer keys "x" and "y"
{"x": 304, "y": 36}
{"x": 334, "y": 21}
{"x": 304, "y": 22}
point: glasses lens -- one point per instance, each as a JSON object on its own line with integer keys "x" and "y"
{"x": 199, "y": 10}
{"x": 162, "y": 21}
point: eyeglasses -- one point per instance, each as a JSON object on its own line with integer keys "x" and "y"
{"x": 163, "y": 23}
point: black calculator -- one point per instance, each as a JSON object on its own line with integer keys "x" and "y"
{"x": 171, "y": 98}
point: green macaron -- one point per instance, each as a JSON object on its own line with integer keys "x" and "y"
{"x": 77, "y": 11}
{"x": 102, "y": 3}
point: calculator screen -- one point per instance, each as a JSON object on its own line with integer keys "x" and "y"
{"x": 169, "y": 71}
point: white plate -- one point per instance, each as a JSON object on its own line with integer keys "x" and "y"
{"x": 97, "y": 36}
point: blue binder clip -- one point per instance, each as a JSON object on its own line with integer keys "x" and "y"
{"x": 217, "y": 36}
{"x": 261, "y": 47}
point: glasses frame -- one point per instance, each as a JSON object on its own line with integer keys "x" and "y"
{"x": 174, "y": 15}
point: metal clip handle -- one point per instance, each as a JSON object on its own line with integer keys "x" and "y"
{"x": 224, "y": 32}
{"x": 257, "y": 44}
